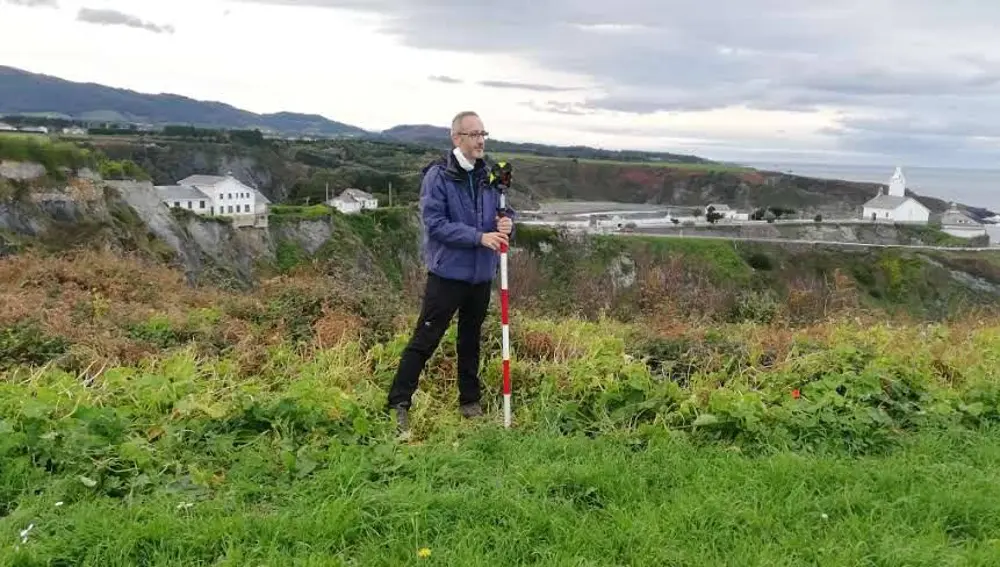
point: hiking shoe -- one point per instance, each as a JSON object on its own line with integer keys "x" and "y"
{"x": 403, "y": 423}
{"x": 471, "y": 410}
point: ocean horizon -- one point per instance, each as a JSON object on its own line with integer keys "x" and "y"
{"x": 972, "y": 187}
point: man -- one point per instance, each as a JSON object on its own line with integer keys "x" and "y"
{"x": 462, "y": 237}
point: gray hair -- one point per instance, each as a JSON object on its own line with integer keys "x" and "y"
{"x": 456, "y": 122}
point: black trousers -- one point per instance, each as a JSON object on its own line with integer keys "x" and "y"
{"x": 442, "y": 298}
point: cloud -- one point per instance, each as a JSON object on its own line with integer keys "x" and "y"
{"x": 35, "y": 3}
{"x": 892, "y": 69}
{"x": 558, "y": 107}
{"x": 116, "y": 18}
{"x": 525, "y": 86}
{"x": 445, "y": 79}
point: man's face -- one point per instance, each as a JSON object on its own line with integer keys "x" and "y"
{"x": 471, "y": 138}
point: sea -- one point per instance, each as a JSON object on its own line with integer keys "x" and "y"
{"x": 971, "y": 187}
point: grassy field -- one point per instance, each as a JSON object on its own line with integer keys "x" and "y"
{"x": 529, "y": 498}
{"x": 147, "y": 423}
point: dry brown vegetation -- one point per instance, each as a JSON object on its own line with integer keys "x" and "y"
{"x": 111, "y": 310}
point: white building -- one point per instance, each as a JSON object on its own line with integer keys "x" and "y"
{"x": 896, "y": 206}
{"x": 353, "y": 201}
{"x": 213, "y": 195}
{"x": 960, "y": 224}
{"x": 727, "y": 212}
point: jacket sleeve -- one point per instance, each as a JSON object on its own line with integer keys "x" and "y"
{"x": 434, "y": 210}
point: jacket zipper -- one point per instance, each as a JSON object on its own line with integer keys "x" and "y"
{"x": 479, "y": 224}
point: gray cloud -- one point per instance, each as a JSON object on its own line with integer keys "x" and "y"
{"x": 445, "y": 79}
{"x": 557, "y": 107}
{"x": 913, "y": 77}
{"x": 116, "y": 18}
{"x": 35, "y": 3}
{"x": 525, "y": 86}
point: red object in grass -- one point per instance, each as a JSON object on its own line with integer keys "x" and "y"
{"x": 796, "y": 394}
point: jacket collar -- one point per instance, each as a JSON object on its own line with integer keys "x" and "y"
{"x": 455, "y": 171}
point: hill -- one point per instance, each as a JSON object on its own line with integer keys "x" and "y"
{"x": 675, "y": 402}
{"x": 22, "y": 92}
{"x": 26, "y": 93}
{"x": 299, "y": 172}
{"x": 439, "y": 137}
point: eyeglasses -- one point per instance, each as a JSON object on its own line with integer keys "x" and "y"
{"x": 482, "y": 135}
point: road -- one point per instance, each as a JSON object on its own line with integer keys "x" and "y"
{"x": 814, "y": 242}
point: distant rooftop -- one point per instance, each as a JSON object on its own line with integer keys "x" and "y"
{"x": 358, "y": 194}
{"x": 180, "y": 193}
{"x": 206, "y": 180}
{"x": 886, "y": 202}
{"x": 954, "y": 216}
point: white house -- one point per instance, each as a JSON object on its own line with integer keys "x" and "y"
{"x": 352, "y": 201}
{"x": 4, "y": 127}
{"x": 896, "y": 206}
{"x": 214, "y": 195}
{"x": 958, "y": 223}
{"x": 727, "y": 212}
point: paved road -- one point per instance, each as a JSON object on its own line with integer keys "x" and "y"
{"x": 821, "y": 242}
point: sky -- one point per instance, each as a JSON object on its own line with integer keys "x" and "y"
{"x": 898, "y": 82}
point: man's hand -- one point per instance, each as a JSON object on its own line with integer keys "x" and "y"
{"x": 492, "y": 240}
{"x": 505, "y": 225}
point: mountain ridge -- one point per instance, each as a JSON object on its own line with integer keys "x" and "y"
{"x": 23, "y": 92}
{"x": 27, "y": 93}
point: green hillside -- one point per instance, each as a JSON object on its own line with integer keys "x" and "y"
{"x": 146, "y": 421}
{"x": 22, "y": 92}
{"x": 676, "y": 401}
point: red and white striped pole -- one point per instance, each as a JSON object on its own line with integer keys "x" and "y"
{"x": 501, "y": 176}
{"x": 505, "y": 322}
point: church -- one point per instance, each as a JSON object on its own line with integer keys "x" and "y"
{"x": 896, "y": 206}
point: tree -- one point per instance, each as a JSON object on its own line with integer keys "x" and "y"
{"x": 712, "y": 216}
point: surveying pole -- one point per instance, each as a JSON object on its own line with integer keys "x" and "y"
{"x": 500, "y": 176}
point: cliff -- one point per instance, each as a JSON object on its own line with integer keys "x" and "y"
{"x": 127, "y": 217}
{"x": 301, "y": 172}
{"x": 377, "y": 254}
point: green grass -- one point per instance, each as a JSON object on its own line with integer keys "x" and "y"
{"x": 300, "y": 212}
{"x": 713, "y": 167}
{"x": 243, "y": 439}
{"x": 526, "y": 498}
{"x": 45, "y": 151}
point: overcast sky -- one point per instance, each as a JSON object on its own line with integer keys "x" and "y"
{"x": 909, "y": 82}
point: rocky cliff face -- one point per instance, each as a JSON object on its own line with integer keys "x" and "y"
{"x": 170, "y": 162}
{"x": 128, "y": 216}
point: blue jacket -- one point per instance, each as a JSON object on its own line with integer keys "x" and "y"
{"x": 457, "y": 207}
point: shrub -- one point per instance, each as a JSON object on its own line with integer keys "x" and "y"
{"x": 25, "y": 343}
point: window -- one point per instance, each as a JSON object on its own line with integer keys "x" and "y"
{"x": 201, "y": 204}
{"x": 230, "y": 208}
{"x": 230, "y": 195}
{"x": 246, "y": 208}
{"x": 189, "y": 205}
{"x": 177, "y": 204}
